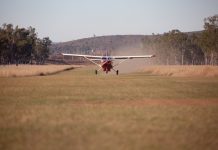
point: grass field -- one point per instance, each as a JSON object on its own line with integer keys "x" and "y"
{"x": 32, "y": 70}
{"x": 79, "y": 110}
{"x": 183, "y": 71}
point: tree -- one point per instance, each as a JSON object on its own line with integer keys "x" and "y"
{"x": 172, "y": 46}
{"x": 42, "y": 50}
{"x": 32, "y": 42}
{"x": 209, "y": 40}
{"x": 178, "y": 43}
{"x": 175, "y": 47}
{"x": 195, "y": 51}
{"x": 6, "y": 39}
{"x": 20, "y": 45}
{"x": 22, "y": 51}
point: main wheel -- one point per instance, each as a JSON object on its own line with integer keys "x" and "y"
{"x": 117, "y": 72}
{"x": 96, "y": 72}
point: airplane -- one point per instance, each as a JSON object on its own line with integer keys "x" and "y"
{"x": 107, "y": 61}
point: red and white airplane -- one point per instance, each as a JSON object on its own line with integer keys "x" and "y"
{"x": 106, "y": 62}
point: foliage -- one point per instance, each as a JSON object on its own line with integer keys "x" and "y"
{"x": 21, "y": 46}
{"x": 42, "y": 51}
{"x": 209, "y": 40}
{"x": 197, "y": 48}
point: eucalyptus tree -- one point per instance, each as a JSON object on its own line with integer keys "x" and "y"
{"x": 209, "y": 40}
{"x": 196, "y": 53}
{"x": 178, "y": 44}
{"x": 6, "y": 41}
{"x": 21, "y": 45}
{"x": 42, "y": 50}
{"x": 32, "y": 42}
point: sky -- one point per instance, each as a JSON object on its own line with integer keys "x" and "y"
{"x": 66, "y": 20}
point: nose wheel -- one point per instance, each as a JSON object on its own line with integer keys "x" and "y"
{"x": 117, "y": 72}
{"x": 96, "y": 72}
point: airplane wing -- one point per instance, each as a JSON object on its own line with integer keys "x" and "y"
{"x": 92, "y": 57}
{"x": 132, "y": 57}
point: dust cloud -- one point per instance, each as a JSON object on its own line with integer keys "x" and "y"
{"x": 132, "y": 65}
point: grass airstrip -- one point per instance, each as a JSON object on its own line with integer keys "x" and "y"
{"x": 78, "y": 110}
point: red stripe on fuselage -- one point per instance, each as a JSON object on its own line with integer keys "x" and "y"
{"x": 107, "y": 66}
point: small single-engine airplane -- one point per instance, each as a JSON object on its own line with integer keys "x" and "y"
{"x": 107, "y": 61}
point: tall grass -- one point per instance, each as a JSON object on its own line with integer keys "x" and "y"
{"x": 183, "y": 71}
{"x": 31, "y": 70}
{"x": 81, "y": 111}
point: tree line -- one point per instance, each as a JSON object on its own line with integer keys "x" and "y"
{"x": 178, "y": 48}
{"x": 22, "y": 46}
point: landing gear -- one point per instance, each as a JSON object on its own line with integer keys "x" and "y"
{"x": 117, "y": 71}
{"x": 106, "y": 71}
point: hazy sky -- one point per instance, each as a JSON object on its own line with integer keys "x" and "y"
{"x": 65, "y": 20}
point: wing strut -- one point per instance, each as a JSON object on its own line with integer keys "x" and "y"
{"x": 93, "y": 62}
{"x": 120, "y": 62}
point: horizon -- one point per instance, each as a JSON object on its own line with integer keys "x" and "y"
{"x": 67, "y": 20}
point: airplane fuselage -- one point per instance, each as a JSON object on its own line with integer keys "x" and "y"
{"x": 106, "y": 64}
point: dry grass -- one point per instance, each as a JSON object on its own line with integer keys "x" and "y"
{"x": 183, "y": 71}
{"x": 81, "y": 111}
{"x": 32, "y": 70}
{"x": 113, "y": 126}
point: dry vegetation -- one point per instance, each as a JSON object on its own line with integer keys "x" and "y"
{"x": 32, "y": 70}
{"x": 79, "y": 110}
{"x": 183, "y": 71}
